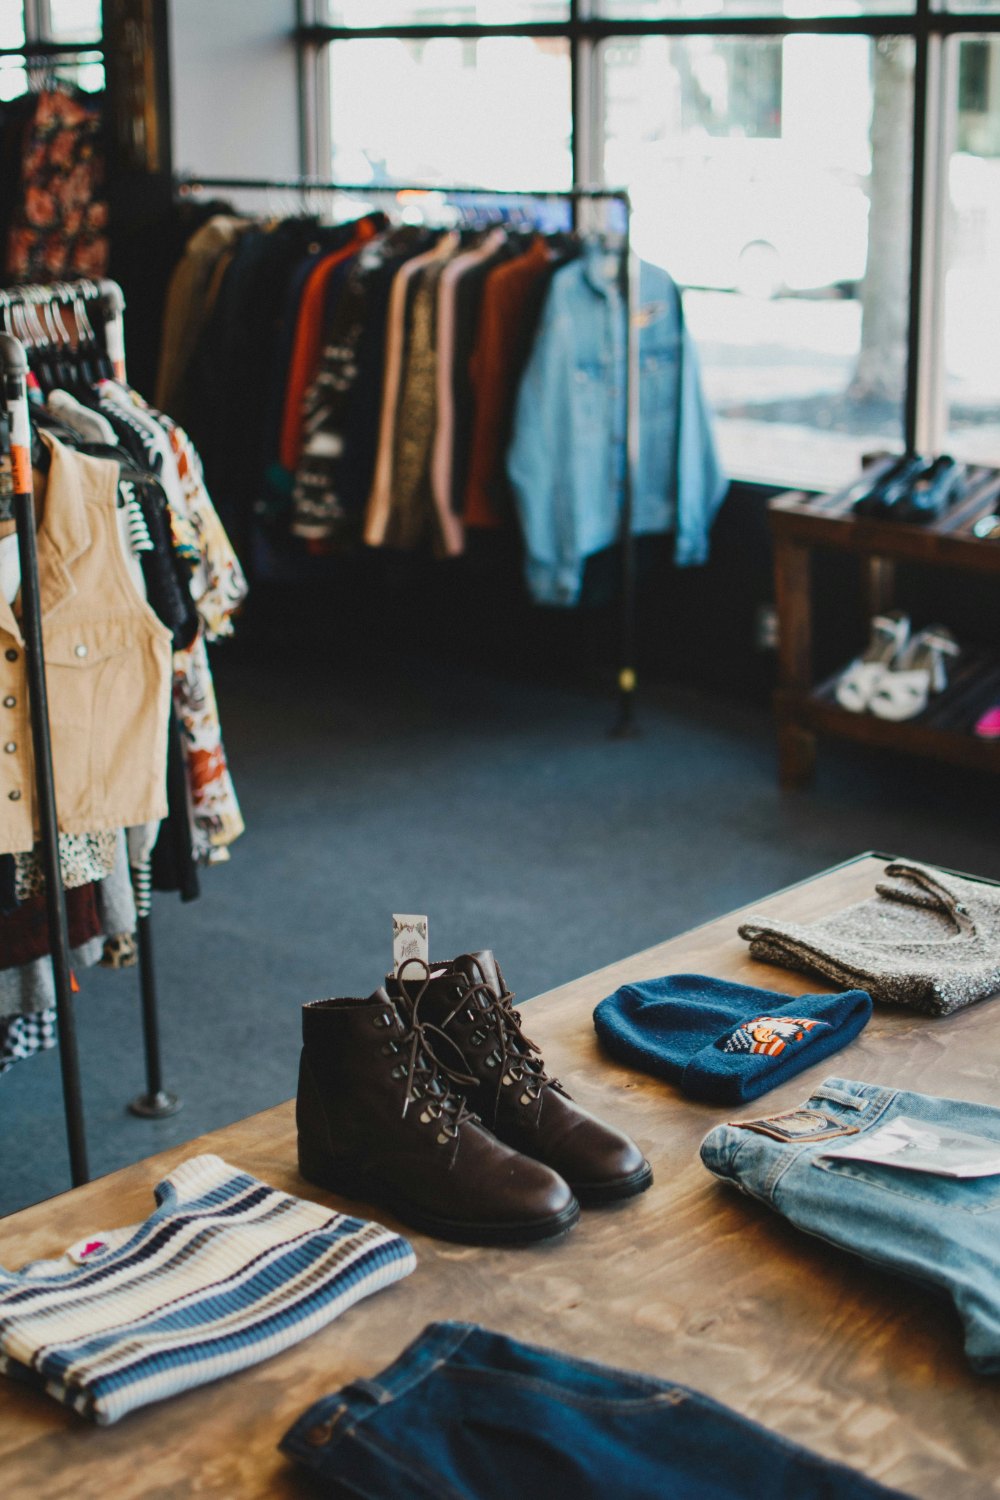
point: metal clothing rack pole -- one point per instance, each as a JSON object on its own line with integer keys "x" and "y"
{"x": 14, "y": 363}
{"x": 106, "y": 295}
{"x": 157, "y": 1102}
{"x": 625, "y": 725}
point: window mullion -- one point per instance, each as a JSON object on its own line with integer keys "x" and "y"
{"x": 586, "y": 142}
{"x": 37, "y": 21}
{"x": 314, "y": 96}
{"x": 927, "y": 406}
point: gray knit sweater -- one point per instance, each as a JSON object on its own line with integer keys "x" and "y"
{"x": 927, "y": 940}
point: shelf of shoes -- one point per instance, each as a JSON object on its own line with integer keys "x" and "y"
{"x": 804, "y": 523}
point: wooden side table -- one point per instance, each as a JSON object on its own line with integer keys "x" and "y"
{"x": 801, "y": 524}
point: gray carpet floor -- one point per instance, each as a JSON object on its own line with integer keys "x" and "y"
{"x": 499, "y": 807}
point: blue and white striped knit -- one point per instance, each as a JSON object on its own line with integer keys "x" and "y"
{"x": 226, "y": 1272}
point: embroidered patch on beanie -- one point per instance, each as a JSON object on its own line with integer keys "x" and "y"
{"x": 769, "y": 1034}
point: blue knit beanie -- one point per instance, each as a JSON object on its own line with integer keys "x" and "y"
{"x": 721, "y": 1041}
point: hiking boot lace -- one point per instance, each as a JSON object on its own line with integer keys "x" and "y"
{"x": 516, "y": 1058}
{"x": 429, "y": 1078}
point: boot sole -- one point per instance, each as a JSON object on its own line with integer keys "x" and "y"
{"x": 328, "y": 1174}
{"x": 594, "y": 1194}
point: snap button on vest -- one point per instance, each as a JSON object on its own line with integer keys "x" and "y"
{"x": 14, "y": 796}
{"x": 80, "y": 650}
{"x": 11, "y": 655}
{"x": 10, "y": 747}
{"x": 10, "y": 701}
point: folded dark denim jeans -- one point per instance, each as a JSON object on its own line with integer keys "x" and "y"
{"x": 466, "y": 1414}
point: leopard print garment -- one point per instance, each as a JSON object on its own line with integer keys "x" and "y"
{"x": 83, "y": 858}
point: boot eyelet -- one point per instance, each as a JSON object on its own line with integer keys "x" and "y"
{"x": 491, "y": 1061}
{"x": 390, "y": 1049}
{"x": 425, "y": 1118}
{"x": 382, "y": 1019}
{"x": 398, "y": 1071}
{"x": 470, "y": 1014}
{"x": 443, "y": 1138}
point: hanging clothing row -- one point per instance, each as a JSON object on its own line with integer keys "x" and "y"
{"x": 136, "y": 575}
{"x": 418, "y": 383}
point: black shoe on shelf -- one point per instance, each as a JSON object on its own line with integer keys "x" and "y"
{"x": 932, "y": 492}
{"x": 878, "y": 500}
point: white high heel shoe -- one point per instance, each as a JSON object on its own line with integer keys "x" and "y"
{"x": 919, "y": 672}
{"x": 858, "y": 682}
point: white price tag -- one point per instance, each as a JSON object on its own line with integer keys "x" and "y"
{"x": 922, "y": 1146}
{"x": 409, "y": 940}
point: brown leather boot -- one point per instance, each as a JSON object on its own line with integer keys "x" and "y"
{"x": 379, "y": 1119}
{"x": 469, "y": 1005}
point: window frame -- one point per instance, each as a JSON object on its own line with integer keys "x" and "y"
{"x": 38, "y": 35}
{"x": 925, "y": 408}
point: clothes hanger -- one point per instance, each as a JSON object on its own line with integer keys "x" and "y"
{"x": 91, "y": 361}
{"x": 60, "y": 357}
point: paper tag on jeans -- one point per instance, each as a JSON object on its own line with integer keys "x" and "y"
{"x": 917, "y": 1146}
{"x": 409, "y": 940}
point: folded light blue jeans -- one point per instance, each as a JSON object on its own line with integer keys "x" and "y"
{"x": 934, "y": 1229}
{"x": 466, "y": 1414}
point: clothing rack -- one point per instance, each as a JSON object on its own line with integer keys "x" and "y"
{"x": 19, "y": 306}
{"x": 625, "y": 725}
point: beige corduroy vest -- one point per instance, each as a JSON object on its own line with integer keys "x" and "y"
{"x": 108, "y": 667}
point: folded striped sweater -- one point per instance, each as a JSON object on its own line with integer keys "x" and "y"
{"x": 226, "y": 1272}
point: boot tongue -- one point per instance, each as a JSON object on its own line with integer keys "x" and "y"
{"x": 447, "y": 985}
{"x": 480, "y": 968}
{"x": 440, "y": 996}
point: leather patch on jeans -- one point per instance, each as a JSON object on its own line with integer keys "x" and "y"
{"x": 798, "y": 1125}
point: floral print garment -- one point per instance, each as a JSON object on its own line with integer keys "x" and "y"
{"x": 60, "y": 227}
{"x": 83, "y": 858}
{"x": 218, "y": 588}
{"x": 218, "y": 583}
{"x": 216, "y": 820}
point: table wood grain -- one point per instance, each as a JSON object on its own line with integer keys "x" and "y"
{"x": 692, "y": 1282}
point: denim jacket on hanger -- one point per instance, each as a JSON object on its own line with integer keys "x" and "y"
{"x": 566, "y": 457}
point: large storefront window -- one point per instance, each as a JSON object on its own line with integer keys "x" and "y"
{"x": 74, "y": 20}
{"x": 358, "y": 13}
{"x": 69, "y": 22}
{"x": 769, "y": 183}
{"x": 972, "y": 250}
{"x": 493, "y": 113}
{"x": 771, "y": 175}
{"x": 676, "y": 10}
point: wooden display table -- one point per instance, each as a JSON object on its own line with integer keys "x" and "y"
{"x": 692, "y": 1282}
{"x": 801, "y": 524}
